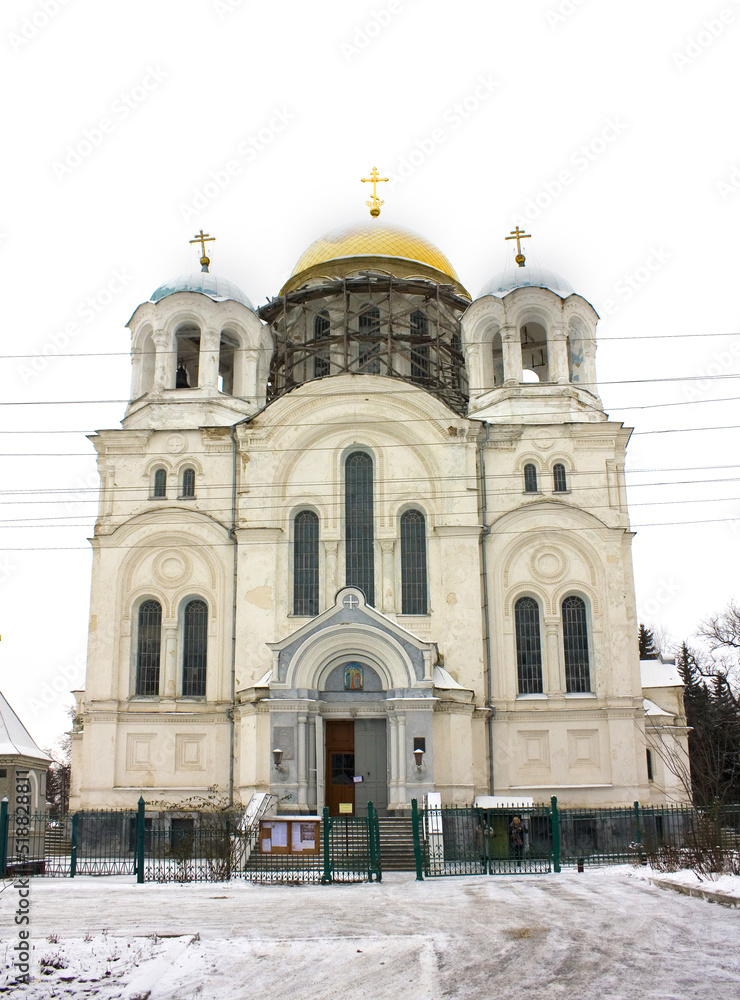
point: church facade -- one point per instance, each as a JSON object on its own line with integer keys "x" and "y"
{"x": 366, "y": 542}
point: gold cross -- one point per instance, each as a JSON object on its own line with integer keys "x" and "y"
{"x": 204, "y": 238}
{"x": 519, "y": 235}
{"x": 374, "y": 203}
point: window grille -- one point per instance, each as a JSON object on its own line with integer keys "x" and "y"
{"x": 188, "y": 484}
{"x": 575, "y": 642}
{"x": 530, "y": 479}
{"x": 148, "y": 645}
{"x": 413, "y": 563}
{"x": 528, "y": 648}
{"x": 195, "y": 641}
{"x": 359, "y": 528}
{"x": 369, "y": 356}
{"x": 559, "y": 482}
{"x": 419, "y": 352}
{"x": 160, "y": 484}
{"x": 321, "y": 365}
{"x": 306, "y": 563}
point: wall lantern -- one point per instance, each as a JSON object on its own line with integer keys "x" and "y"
{"x": 418, "y": 757}
{"x": 277, "y": 757}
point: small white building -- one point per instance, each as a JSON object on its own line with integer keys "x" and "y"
{"x": 23, "y": 765}
{"x": 373, "y": 517}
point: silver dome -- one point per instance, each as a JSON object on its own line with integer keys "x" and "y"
{"x": 205, "y": 283}
{"x": 526, "y": 277}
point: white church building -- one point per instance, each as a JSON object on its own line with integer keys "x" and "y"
{"x": 367, "y": 541}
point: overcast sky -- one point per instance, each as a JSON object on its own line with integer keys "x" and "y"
{"x": 608, "y": 128}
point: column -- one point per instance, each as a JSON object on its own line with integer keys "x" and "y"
{"x": 401, "y": 730}
{"x": 312, "y": 772}
{"x": 320, "y": 800}
{"x": 208, "y": 359}
{"x": 331, "y": 586}
{"x": 393, "y": 783}
{"x": 387, "y": 547}
{"x": 246, "y": 385}
{"x": 164, "y": 361}
{"x": 302, "y": 765}
{"x": 169, "y": 667}
{"x": 551, "y": 672}
{"x": 557, "y": 355}
{"x": 511, "y": 345}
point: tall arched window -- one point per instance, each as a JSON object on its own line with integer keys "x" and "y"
{"x": 194, "y": 645}
{"x": 413, "y": 563}
{"x": 528, "y": 648}
{"x": 306, "y": 563}
{"x": 358, "y": 524}
{"x": 369, "y": 356}
{"x": 160, "y": 484}
{"x": 530, "y": 479}
{"x": 188, "y": 484}
{"x": 575, "y": 643}
{"x": 559, "y": 482}
{"x": 419, "y": 350}
{"x": 321, "y": 363}
{"x": 148, "y": 645}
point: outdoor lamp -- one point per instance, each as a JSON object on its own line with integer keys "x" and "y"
{"x": 277, "y": 756}
{"x": 418, "y": 757}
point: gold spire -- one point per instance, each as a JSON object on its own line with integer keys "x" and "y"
{"x": 203, "y": 238}
{"x": 374, "y": 203}
{"x": 519, "y": 235}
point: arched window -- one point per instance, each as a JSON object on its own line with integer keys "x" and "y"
{"x": 369, "y": 355}
{"x": 419, "y": 349}
{"x": 530, "y": 479}
{"x": 195, "y": 641}
{"x": 528, "y": 648}
{"x": 188, "y": 484}
{"x": 575, "y": 643}
{"x": 160, "y": 484}
{"x": 321, "y": 364}
{"x": 358, "y": 524}
{"x": 148, "y": 645}
{"x": 559, "y": 482}
{"x": 413, "y": 563}
{"x": 306, "y": 563}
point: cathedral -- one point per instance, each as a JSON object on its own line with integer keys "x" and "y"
{"x": 367, "y": 542}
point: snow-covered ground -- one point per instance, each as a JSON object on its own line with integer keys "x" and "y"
{"x": 602, "y": 934}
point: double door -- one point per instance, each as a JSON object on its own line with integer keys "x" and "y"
{"x": 356, "y": 766}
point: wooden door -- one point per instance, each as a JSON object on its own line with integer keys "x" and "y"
{"x": 340, "y": 765}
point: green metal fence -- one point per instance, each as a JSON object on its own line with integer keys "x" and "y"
{"x": 473, "y": 841}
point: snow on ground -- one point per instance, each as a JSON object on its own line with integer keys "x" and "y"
{"x": 724, "y": 885}
{"x": 601, "y": 934}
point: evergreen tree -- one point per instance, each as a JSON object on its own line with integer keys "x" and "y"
{"x": 646, "y": 643}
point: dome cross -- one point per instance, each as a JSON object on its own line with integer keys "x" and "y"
{"x": 519, "y": 235}
{"x": 204, "y": 238}
{"x": 374, "y": 203}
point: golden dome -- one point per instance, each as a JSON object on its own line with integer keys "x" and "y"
{"x": 371, "y": 239}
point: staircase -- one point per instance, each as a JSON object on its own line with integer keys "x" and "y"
{"x": 396, "y": 844}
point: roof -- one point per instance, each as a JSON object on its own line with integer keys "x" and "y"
{"x": 526, "y": 277}
{"x": 655, "y": 674}
{"x": 204, "y": 283}
{"x": 15, "y": 740}
{"x": 652, "y": 709}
